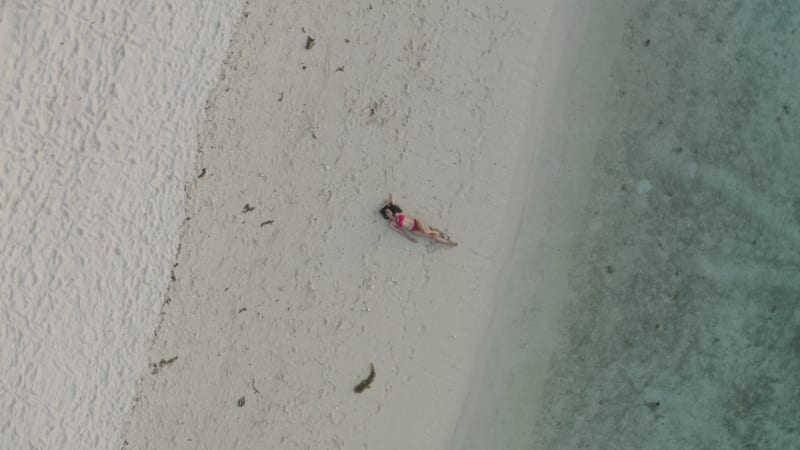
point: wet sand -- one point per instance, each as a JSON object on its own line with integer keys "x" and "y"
{"x": 679, "y": 302}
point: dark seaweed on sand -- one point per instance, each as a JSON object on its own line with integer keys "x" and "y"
{"x": 366, "y": 382}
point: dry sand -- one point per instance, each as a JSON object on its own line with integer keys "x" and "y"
{"x": 288, "y": 284}
{"x": 98, "y": 107}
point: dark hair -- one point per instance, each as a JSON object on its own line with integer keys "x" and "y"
{"x": 391, "y": 207}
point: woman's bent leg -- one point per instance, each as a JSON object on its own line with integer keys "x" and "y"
{"x": 439, "y": 236}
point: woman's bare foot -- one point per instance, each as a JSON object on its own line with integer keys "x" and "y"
{"x": 440, "y": 236}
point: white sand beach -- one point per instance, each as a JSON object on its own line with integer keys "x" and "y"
{"x": 99, "y": 104}
{"x": 280, "y": 285}
{"x": 192, "y": 255}
{"x": 289, "y": 284}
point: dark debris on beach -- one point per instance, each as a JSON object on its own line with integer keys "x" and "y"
{"x": 164, "y": 362}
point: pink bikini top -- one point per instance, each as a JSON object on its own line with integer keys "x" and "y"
{"x": 400, "y": 221}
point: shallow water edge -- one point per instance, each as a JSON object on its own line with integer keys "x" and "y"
{"x": 679, "y": 304}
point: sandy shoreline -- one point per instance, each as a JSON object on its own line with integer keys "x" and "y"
{"x": 287, "y": 304}
{"x": 668, "y": 285}
{"x": 527, "y": 326}
{"x": 622, "y": 181}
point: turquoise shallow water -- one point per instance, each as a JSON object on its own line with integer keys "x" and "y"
{"x": 679, "y": 315}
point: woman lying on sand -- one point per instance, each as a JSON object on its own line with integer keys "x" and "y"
{"x": 405, "y": 224}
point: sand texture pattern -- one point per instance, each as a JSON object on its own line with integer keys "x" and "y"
{"x": 99, "y": 103}
{"x": 288, "y": 284}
